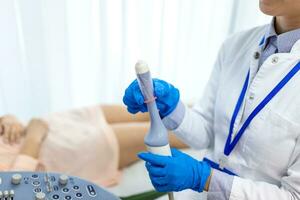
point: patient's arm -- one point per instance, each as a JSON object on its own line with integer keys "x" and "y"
{"x": 36, "y": 132}
{"x": 11, "y": 129}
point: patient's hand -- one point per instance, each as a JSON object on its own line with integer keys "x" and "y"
{"x": 11, "y": 129}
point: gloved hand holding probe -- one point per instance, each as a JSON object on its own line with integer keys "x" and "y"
{"x": 176, "y": 173}
{"x": 167, "y": 97}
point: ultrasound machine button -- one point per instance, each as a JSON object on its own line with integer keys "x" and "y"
{"x": 91, "y": 190}
{"x": 55, "y": 196}
{"x": 68, "y": 197}
{"x": 55, "y": 188}
{"x": 35, "y": 176}
{"x": 6, "y": 194}
{"x": 63, "y": 179}
{"x": 36, "y": 183}
{"x": 65, "y": 190}
{"x": 11, "y": 193}
{"x": 52, "y": 178}
{"x": 76, "y": 187}
{"x": 16, "y": 179}
{"x": 37, "y": 190}
{"x": 79, "y": 195}
{"x": 40, "y": 196}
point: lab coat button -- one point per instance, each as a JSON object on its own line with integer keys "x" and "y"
{"x": 251, "y": 96}
{"x": 275, "y": 60}
{"x": 256, "y": 55}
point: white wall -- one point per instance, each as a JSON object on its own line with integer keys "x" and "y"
{"x": 58, "y": 54}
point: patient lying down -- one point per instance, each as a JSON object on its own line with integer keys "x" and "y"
{"x": 94, "y": 143}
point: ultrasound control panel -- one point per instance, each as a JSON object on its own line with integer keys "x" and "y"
{"x": 49, "y": 186}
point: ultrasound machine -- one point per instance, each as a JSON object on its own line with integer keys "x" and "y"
{"x": 49, "y": 186}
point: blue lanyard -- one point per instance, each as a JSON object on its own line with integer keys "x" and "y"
{"x": 229, "y": 146}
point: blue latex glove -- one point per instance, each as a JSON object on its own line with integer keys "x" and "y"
{"x": 176, "y": 173}
{"x": 167, "y": 97}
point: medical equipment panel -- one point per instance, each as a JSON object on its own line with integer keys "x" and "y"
{"x": 49, "y": 186}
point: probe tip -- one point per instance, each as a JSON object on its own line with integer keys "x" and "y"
{"x": 141, "y": 67}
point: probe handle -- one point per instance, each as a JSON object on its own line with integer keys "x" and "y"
{"x": 158, "y": 135}
{"x": 146, "y": 86}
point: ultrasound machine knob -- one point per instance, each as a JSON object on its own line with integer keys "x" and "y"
{"x": 16, "y": 179}
{"x": 5, "y": 194}
{"x": 40, "y": 196}
{"x": 11, "y": 193}
{"x": 63, "y": 179}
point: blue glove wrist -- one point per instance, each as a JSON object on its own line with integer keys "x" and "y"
{"x": 203, "y": 172}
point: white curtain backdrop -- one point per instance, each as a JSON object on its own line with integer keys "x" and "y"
{"x": 58, "y": 54}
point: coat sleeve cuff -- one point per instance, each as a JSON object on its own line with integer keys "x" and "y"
{"x": 174, "y": 119}
{"x": 220, "y": 186}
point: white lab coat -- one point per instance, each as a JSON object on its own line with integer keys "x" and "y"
{"x": 267, "y": 158}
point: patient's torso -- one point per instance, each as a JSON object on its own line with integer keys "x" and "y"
{"x": 79, "y": 143}
{"x": 8, "y": 154}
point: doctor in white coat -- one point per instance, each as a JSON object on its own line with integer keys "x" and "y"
{"x": 249, "y": 117}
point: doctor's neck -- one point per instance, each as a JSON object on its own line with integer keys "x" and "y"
{"x": 286, "y": 23}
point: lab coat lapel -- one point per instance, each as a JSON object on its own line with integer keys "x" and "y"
{"x": 253, "y": 62}
{"x": 270, "y": 73}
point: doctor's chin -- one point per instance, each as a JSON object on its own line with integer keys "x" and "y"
{"x": 150, "y": 100}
